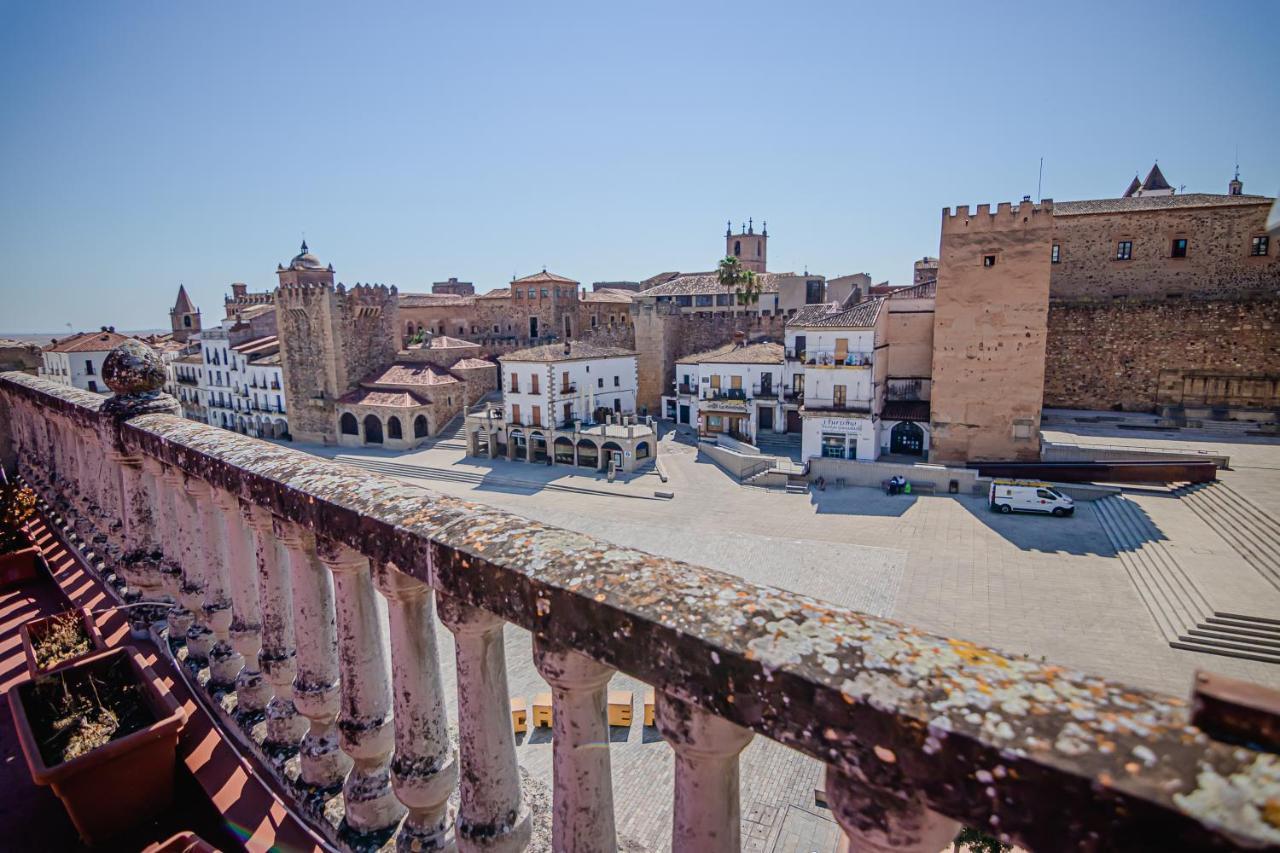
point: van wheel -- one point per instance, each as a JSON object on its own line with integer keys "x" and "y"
{"x": 1059, "y": 512}
{"x": 1005, "y": 508}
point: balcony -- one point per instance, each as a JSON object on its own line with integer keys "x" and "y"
{"x": 570, "y": 388}
{"x": 916, "y": 731}
{"x": 768, "y": 392}
{"x": 685, "y": 389}
{"x": 793, "y": 395}
{"x": 829, "y": 404}
{"x": 830, "y": 358}
{"x": 724, "y": 394}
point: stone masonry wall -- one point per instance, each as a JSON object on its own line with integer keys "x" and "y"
{"x": 1217, "y": 262}
{"x": 1111, "y": 355}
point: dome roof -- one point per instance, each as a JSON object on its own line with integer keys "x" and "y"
{"x": 304, "y": 260}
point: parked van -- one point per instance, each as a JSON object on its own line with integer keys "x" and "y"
{"x": 1029, "y": 496}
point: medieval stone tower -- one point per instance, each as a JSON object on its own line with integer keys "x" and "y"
{"x": 331, "y": 337}
{"x": 751, "y": 249}
{"x": 990, "y": 328}
{"x": 184, "y": 318}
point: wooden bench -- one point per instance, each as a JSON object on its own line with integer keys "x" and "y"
{"x": 519, "y": 714}
{"x": 648, "y": 706}
{"x": 924, "y": 488}
{"x": 620, "y": 702}
{"x": 542, "y": 710}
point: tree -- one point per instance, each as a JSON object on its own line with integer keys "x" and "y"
{"x": 733, "y": 276}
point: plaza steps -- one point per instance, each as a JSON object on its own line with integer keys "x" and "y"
{"x": 1245, "y": 526}
{"x": 451, "y": 436}
{"x": 1179, "y": 608}
{"x": 449, "y": 475}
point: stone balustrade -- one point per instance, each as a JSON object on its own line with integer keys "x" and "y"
{"x": 307, "y": 593}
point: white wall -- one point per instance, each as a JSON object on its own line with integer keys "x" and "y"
{"x": 861, "y": 435}
{"x": 885, "y": 435}
{"x": 69, "y": 368}
{"x": 588, "y": 376}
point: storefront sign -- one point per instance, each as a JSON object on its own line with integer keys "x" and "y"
{"x": 845, "y": 425}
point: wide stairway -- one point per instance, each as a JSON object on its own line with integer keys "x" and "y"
{"x": 785, "y": 445}
{"x": 455, "y": 475}
{"x": 1178, "y": 606}
{"x": 1247, "y": 527}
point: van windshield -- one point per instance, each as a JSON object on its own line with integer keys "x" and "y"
{"x": 1055, "y": 493}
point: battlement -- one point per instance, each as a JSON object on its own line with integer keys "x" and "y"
{"x": 1006, "y": 215}
{"x": 368, "y": 292}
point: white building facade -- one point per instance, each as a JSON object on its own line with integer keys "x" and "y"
{"x": 557, "y": 384}
{"x": 77, "y": 360}
{"x": 241, "y": 385}
{"x": 736, "y": 390}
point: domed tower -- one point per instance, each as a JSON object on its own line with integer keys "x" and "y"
{"x": 751, "y": 249}
{"x": 331, "y": 337}
{"x": 184, "y": 318}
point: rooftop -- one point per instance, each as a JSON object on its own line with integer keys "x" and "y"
{"x": 101, "y": 341}
{"x": 544, "y": 277}
{"x": 434, "y": 300}
{"x": 422, "y": 375}
{"x": 577, "y": 351}
{"x": 1156, "y": 202}
{"x": 690, "y": 284}
{"x": 606, "y": 294}
{"x": 764, "y": 352}
{"x": 829, "y": 316}
{"x": 384, "y": 398}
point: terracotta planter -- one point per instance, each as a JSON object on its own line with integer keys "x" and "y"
{"x": 124, "y": 782}
{"x": 19, "y": 566}
{"x": 33, "y": 631}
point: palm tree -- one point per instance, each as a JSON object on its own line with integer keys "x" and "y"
{"x": 733, "y": 276}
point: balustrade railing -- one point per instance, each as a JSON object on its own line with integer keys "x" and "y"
{"x": 267, "y": 566}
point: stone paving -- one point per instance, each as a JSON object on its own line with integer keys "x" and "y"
{"x": 1026, "y": 584}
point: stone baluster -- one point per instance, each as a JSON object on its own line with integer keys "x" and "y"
{"x": 181, "y": 619}
{"x": 139, "y": 572}
{"x": 277, "y": 659}
{"x": 886, "y": 821}
{"x": 492, "y": 815}
{"x": 365, "y": 726}
{"x": 316, "y": 688}
{"x": 707, "y": 810}
{"x": 582, "y": 797}
{"x": 196, "y": 558}
{"x": 245, "y": 631}
{"x": 153, "y": 537}
{"x": 424, "y": 770}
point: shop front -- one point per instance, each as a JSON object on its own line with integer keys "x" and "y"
{"x": 838, "y": 437}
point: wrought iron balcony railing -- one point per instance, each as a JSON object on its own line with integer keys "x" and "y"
{"x": 269, "y": 564}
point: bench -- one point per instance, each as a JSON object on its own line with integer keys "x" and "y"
{"x": 519, "y": 717}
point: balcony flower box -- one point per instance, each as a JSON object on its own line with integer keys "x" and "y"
{"x": 103, "y": 733}
{"x": 19, "y": 557}
{"x": 55, "y": 642}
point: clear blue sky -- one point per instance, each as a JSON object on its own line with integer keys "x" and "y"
{"x": 144, "y": 144}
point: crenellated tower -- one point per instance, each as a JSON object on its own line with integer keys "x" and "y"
{"x": 331, "y": 337}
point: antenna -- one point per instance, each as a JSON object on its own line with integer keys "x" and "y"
{"x": 1040, "y": 181}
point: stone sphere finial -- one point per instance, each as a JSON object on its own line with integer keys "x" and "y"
{"x": 134, "y": 369}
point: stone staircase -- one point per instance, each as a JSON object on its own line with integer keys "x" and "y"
{"x": 1177, "y": 605}
{"x": 451, "y": 436}
{"x": 1248, "y": 528}
{"x": 785, "y": 445}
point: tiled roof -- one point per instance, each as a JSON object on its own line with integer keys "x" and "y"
{"x": 660, "y": 278}
{"x": 555, "y": 352}
{"x": 759, "y": 353}
{"x": 1155, "y": 202}
{"x": 861, "y": 316}
{"x": 269, "y": 360}
{"x": 544, "y": 276}
{"x": 690, "y": 284}
{"x": 607, "y": 295}
{"x": 390, "y": 399}
{"x": 923, "y": 290}
{"x": 1155, "y": 179}
{"x": 194, "y": 358}
{"x": 905, "y": 410}
{"x": 498, "y": 293}
{"x": 446, "y": 342}
{"x": 259, "y": 346}
{"x": 434, "y": 300}
{"x": 88, "y": 342}
{"x": 471, "y": 364}
{"x": 409, "y": 374}
{"x": 184, "y": 305}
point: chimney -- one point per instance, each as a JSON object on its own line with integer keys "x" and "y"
{"x": 239, "y": 290}
{"x": 739, "y": 338}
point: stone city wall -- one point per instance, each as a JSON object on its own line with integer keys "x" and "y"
{"x": 1111, "y": 355}
{"x": 1217, "y": 262}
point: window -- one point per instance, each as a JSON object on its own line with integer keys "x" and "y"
{"x": 1055, "y": 254}
{"x": 517, "y": 293}
{"x": 988, "y": 260}
{"x": 532, "y": 292}
{"x": 515, "y": 384}
{"x": 600, "y": 382}
{"x": 544, "y": 293}
{"x": 1179, "y": 248}
{"x": 838, "y": 396}
{"x": 515, "y": 413}
{"x": 617, "y": 404}
{"x": 702, "y": 300}
{"x": 1124, "y": 250}
{"x": 93, "y": 386}
{"x": 1044, "y": 493}
{"x": 813, "y": 291}
{"x": 737, "y": 248}
{"x": 1260, "y": 246}
{"x": 724, "y": 298}
{"x": 713, "y": 422}
{"x": 735, "y": 382}
{"x": 715, "y": 381}
{"x": 537, "y": 416}
{"x": 533, "y": 384}
{"x": 617, "y": 382}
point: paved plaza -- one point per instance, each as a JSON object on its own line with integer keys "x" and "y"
{"x": 1040, "y": 586}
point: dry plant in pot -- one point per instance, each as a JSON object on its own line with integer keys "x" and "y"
{"x": 103, "y": 733}
{"x": 55, "y": 641}
{"x": 18, "y": 556}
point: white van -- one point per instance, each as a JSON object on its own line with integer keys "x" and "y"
{"x": 1029, "y": 496}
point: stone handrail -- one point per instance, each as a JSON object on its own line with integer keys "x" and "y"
{"x": 271, "y": 560}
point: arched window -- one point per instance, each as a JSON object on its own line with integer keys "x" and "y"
{"x": 420, "y": 426}
{"x": 759, "y": 248}
{"x": 737, "y": 248}
{"x": 393, "y": 427}
{"x": 372, "y": 430}
{"x": 186, "y": 321}
{"x": 349, "y": 425}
